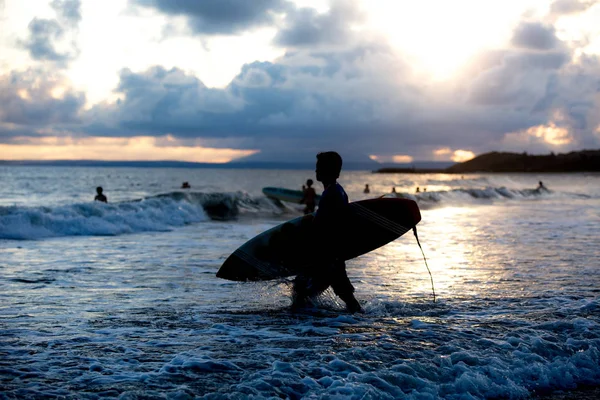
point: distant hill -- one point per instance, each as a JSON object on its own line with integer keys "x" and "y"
{"x": 577, "y": 161}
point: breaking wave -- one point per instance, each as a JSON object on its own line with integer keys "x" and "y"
{"x": 167, "y": 211}
{"x": 162, "y": 212}
{"x": 462, "y": 195}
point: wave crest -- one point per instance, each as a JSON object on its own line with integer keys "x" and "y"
{"x": 162, "y": 212}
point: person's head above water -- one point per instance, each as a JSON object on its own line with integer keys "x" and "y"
{"x": 309, "y": 182}
{"x": 329, "y": 166}
{"x": 99, "y": 190}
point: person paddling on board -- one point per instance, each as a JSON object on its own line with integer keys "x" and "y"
{"x": 328, "y": 224}
{"x": 100, "y": 196}
{"x": 309, "y": 198}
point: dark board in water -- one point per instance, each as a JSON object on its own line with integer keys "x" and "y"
{"x": 285, "y": 250}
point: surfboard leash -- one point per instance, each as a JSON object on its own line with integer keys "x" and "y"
{"x": 425, "y": 259}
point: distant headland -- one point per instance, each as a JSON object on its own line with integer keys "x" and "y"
{"x": 576, "y": 161}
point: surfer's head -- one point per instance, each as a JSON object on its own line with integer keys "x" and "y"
{"x": 99, "y": 190}
{"x": 309, "y": 182}
{"x": 329, "y": 166}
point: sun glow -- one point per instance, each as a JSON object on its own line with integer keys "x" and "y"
{"x": 440, "y": 36}
{"x": 446, "y": 153}
{"x": 462, "y": 155}
{"x": 141, "y": 148}
{"x": 398, "y": 159}
{"x": 551, "y": 134}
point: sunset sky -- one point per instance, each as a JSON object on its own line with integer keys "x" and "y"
{"x": 279, "y": 80}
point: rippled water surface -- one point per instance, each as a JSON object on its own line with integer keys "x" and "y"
{"x": 121, "y": 299}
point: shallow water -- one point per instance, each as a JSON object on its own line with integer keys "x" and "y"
{"x": 121, "y": 300}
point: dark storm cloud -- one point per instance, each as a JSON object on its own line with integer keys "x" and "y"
{"x": 307, "y": 27}
{"x": 265, "y": 102}
{"x": 44, "y": 33}
{"x": 535, "y": 36}
{"x": 27, "y": 101}
{"x": 211, "y": 17}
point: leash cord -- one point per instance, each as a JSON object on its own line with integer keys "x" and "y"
{"x": 425, "y": 259}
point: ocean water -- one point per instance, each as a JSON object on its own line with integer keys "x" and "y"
{"x": 120, "y": 300}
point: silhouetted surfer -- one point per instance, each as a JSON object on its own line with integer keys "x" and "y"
{"x": 185, "y": 185}
{"x": 310, "y": 197}
{"x": 541, "y": 186}
{"x": 100, "y": 196}
{"x": 367, "y": 190}
{"x": 328, "y": 223}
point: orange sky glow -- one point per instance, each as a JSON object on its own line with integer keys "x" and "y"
{"x": 139, "y": 148}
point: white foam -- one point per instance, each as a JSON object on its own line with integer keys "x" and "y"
{"x": 98, "y": 219}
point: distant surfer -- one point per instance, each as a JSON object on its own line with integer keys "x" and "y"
{"x": 367, "y": 190}
{"x": 328, "y": 224}
{"x": 394, "y": 189}
{"x": 418, "y": 190}
{"x": 100, "y": 196}
{"x": 310, "y": 197}
{"x": 541, "y": 186}
{"x": 185, "y": 185}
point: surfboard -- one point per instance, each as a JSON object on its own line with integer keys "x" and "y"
{"x": 289, "y": 195}
{"x": 285, "y": 250}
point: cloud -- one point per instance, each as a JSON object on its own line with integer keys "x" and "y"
{"x": 36, "y": 98}
{"x": 44, "y": 34}
{"x": 462, "y": 155}
{"x": 535, "y": 36}
{"x": 212, "y": 17}
{"x": 564, "y": 7}
{"x": 304, "y": 100}
{"x": 359, "y": 97}
{"x": 362, "y": 100}
{"x": 397, "y": 159}
{"x": 68, "y": 11}
{"x": 518, "y": 79}
{"x": 307, "y": 27}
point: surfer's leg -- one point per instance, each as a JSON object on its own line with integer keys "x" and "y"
{"x": 300, "y": 291}
{"x": 343, "y": 287}
{"x": 307, "y": 287}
